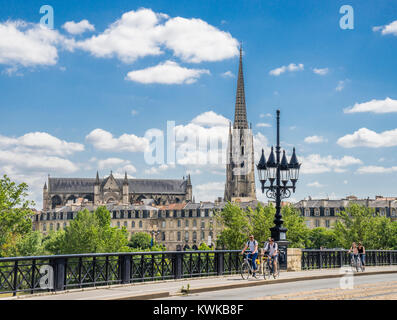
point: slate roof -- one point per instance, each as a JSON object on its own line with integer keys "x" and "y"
{"x": 86, "y": 185}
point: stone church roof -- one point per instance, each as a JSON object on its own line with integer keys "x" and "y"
{"x": 86, "y": 185}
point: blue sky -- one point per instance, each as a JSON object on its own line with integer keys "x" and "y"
{"x": 82, "y": 96}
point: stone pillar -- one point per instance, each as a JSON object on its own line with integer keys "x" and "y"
{"x": 294, "y": 259}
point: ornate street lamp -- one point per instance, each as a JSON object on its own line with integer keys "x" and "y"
{"x": 279, "y": 174}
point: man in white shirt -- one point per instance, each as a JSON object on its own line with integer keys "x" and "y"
{"x": 252, "y": 244}
{"x": 271, "y": 249}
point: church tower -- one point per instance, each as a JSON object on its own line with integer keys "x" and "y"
{"x": 240, "y": 170}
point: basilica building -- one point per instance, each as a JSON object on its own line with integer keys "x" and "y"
{"x": 60, "y": 192}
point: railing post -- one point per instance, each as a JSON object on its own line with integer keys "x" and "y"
{"x": 59, "y": 273}
{"x": 320, "y": 259}
{"x": 125, "y": 267}
{"x": 376, "y": 258}
{"x": 219, "y": 256}
{"x": 178, "y": 257}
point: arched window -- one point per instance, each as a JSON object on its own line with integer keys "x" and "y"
{"x": 187, "y": 236}
{"x": 133, "y": 224}
{"x": 140, "y": 224}
{"x": 56, "y": 201}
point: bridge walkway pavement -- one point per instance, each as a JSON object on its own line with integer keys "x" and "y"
{"x": 166, "y": 288}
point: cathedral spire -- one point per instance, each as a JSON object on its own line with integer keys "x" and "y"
{"x": 240, "y": 115}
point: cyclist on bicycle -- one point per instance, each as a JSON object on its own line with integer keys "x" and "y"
{"x": 354, "y": 252}
{"x": 252, "y": 244}
{"x": 271, "y": 249}
{"x": 361, "y": 252}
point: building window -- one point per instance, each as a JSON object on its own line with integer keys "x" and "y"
{"x": 163, "y": 224}
{"x": 327, "y": 224}
{"x": 179, "y": 223}
{"x": 140, "y": 224}
{"x": 187, "y": 236}
{"x": 317, "y": 223}
{"x": 118, "y": 224}
{"x": 194, "y": 235}
{"x": 58, "y": 226}
{"x": 186, "y": 223}
{"x": 202, "y": 235}
{"x": 307, "y": 212}
{"x": 125, "y": 224}
{"x": 317, "y": 212}
{"x": 393, "y": 212}
{"x": 133, "y": 224}
{"x": 51, "y": 227}
{"x": 327, "y": 211}
{"x": 179, "y": 236}
{"x": 202, "y": 224}
{"x": 163, "y": 236}
{"x": 194, "y": 223}
{"x": 44, "y": 227}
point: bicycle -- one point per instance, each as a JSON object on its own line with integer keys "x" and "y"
{"x": 246, "y": 267}
{"x": 356, "y": 262}
{"x": 269, "y": 268}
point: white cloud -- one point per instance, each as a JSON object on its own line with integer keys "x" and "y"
{"x": 292, "y": 67}
{"x": 111, "y": 163}
{"x": 34, "y": 162}
{"x": 321, "y": 71}
{"x": 31, "y": 157}
{"x": 375, "y": 106}
{"x": 211, "y": 119}
{"x": 42, "y": 143}
{"x": 159, "y": 169}
{"x": 146, "y": 33}
{"x": 376, "y": 169}
{"x": 368, "y": 138}
{"x": 314, "y": 163}
{"x": 315, "y": 184}
{"x": 228, "y": 74}
{"x": 387, "y": 29}
{"x": 168, "y": 72}
{"x": 209, "y": 191}
{"x": 134, "y": 112}
{"x": 341, "y": 84}
{"x": 194, "y": 40}
{"x": 263, "y": 125}
{"x": 104, "y": 140}
{"x": 315, "y": 139}
{"x": 262, "y": 115}
{"x": 27, "y": 44}
{"x": 78, "y": 27}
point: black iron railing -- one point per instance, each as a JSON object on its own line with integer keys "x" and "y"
{"x": 61, "y": 272}
{"x": 332, "y": 258}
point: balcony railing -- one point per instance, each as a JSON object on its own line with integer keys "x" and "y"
{"x": 62, "y": 272}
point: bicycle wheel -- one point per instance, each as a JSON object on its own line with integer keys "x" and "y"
{"x": 266, "y": 270}
{"x": 358, "y": 264}
{"x": 245, "y": 270}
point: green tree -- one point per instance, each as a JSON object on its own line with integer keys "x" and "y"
{"x": 298, "y": 232}
{"x": 15, "y": 215}
{"x": 261, "y": 220}
{"x": 89, "y": 233}
{"x": 323, "y": 237}
{"x": 140, "y": 240}
{"x": 236, "y": 227}
{"x": 361, "y": 224}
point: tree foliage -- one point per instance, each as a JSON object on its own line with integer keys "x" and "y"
{"x": 89, "y": 232}
{"x": 15, "y": 216}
